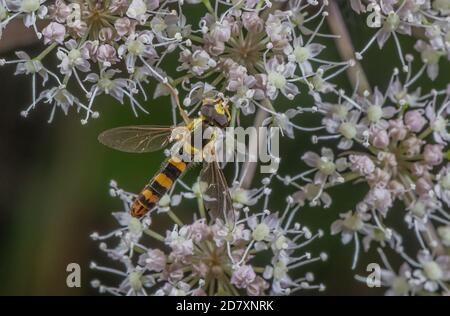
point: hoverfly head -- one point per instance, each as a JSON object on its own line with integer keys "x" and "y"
{"x": 216, "y": 112}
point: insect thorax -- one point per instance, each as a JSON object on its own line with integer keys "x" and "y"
{"x": 215, "y": 112}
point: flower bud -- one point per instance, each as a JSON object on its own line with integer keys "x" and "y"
{"x": 415, "y": 121}
{"x": 433, "y": 154}
{"x": 54, "y": 32}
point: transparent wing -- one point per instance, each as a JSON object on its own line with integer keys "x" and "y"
{"x": 217, "y": 196}
{"x": 136, "y": 139}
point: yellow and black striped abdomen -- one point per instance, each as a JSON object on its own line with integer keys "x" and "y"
{"x": 158, "y": 186}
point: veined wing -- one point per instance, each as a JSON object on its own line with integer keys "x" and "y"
{"x": 136, "y": 139}
{"x": 217, "y": 198}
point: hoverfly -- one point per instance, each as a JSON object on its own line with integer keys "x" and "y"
{"x": 143, "y": 139}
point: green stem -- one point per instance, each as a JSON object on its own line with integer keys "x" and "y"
{"x": 217, "y": 80}
{"x": 154, "y": 234}
{"x": 177, "y": 81}
{"x": 259, "y": 5}
{"x": 46, "y": 51}
{"x": 201, "y": 206}
{"x": 208, "y": 6}
{"x": 66, "y": 79}
{"x": 425, "y": 133}
{"x": 138, "y": 249}
{"x": 351, "y": 176}
{"x": 175, "y": 218}
{"x": 196, "y": 38}
{"x": 348, "y": 177}
{"x": 234, "y": 113}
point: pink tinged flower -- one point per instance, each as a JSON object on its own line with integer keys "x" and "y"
{"x": 30, "y": 9}
{"x": 362, "y": 164}
{"x": 60, "y": 11}
{"x": 252, "y": 22}
{"x": 137, "y": 10}
{"x": 311, "y": 159}
{"x": 107, "y": 35}
{"x": 201, "y": 269}
{"x": 180, "y": 243}
{"x": 415, "y": 120}
{"x": 124, "y": 26}
{"x": 412, "y": 146}
{"x": 398, "y": 283}
{"x": 423, "y": 187}
{"x": 221, "y": 31}
{"x": 152, "y": 4}
{"x": 213, "y": 46}
{"x": 89, "y": 50}
{"x": 283, "y": 121}
{"x": 379, "y": 199}
{"x": 199, "y": 230}
{"x": 433, "y": 154}
{"x": 442, "y": 188}
{"x": 277, "y": 77}
{"x": 313, "y": 193}
{"x": 348, "y": 224}
{"x": 397, "y": 129}
{"x": 153, "y": 260}
{"x": 430, "y": 56}
{"x": 387, "y": 158}
{"x": 236, "y": 75}
{"x": 60, "y": 97}
{"x": 106, "y": 54}
{"x": 72, "y": 58}
{"x": 320, "y": 84}
{"x": 240, "y": 233}
{"x": 30, "y": 66}
{"x": 158, "y": 25}
{"x": 257, "y": 287}
{"x": 390, "y": 25}
{"x": 278, "y": 30}
{"x": 418, "y": 169}
{"x": 396, "y": 187}
{"x": 243, "y": 276}
{"x": 79, "y": 28}
{"x": 378, "y": 178}
{"x": 198, "y": 62}
{"x": 173, "y": 273}
{"x": 119, "y": 6}
{"x": 380, "y": 138}
{"x": 434, "y": 268}
{"x": 438, "y": 124}
{"x": 54, "y": 32}
{"x": 220, "y": 233}
{"x": 302, "y": 54}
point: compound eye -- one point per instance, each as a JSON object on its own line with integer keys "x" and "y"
{"x": 221, "y": 120}
{"x": 206, "y": 111}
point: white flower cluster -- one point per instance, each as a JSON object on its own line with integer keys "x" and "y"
{"x": 251, "y": 50}
{"x": 261, "y": 55}
{"x": 396, "y": 143}
{"x": 205, "y": 256}
{"x": 429, "y": 18}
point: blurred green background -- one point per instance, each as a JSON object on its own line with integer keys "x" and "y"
{"x": 54, "y": 181}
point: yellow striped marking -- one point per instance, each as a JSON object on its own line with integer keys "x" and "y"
{"x": 179, "y": 164}
{"x": 219, "y": 108}
{"x": 163, "y": 180}
{"x": 149, "y": 196}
